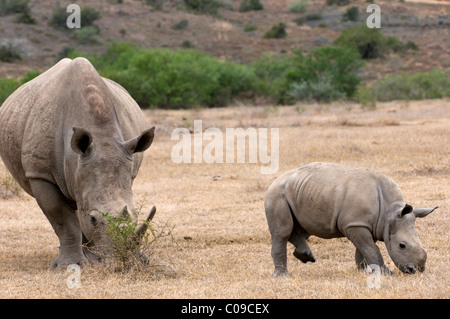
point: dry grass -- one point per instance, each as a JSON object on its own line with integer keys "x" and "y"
{"x": 221, "y": 245}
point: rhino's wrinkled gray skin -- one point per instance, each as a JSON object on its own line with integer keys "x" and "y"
{"x": 329, "y": 201}
{"x": 74, "y": 141}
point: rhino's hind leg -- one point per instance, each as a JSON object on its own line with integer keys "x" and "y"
{"x": 302, "y": 250}
{"x": 63, "y": 219}
{"x": 280, "y": 223}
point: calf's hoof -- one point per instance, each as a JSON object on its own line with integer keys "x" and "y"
{"x": 304, "y": 256}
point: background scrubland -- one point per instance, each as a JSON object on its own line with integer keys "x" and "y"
{"x": 336, "y": 90}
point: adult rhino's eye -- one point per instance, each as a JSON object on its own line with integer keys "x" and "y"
{"x": 93, "y": 221}
{"x": 402, "y": 246}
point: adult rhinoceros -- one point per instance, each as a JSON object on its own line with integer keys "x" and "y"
{"x": 329, "y": 200}
{"x": 74, "y": 141}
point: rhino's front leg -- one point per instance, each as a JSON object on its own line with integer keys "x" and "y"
{"x": 63, "y": 219}
{"x": 367, "y": 252}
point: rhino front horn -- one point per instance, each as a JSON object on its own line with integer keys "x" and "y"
{"x": 142, "y": 228}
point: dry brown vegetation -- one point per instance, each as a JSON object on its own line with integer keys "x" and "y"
{"x": 220, "y": 244}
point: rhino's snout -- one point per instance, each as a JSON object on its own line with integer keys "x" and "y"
{"x": 411, "y": 268}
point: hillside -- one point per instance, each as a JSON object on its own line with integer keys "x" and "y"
{"x": 426, "y": 23}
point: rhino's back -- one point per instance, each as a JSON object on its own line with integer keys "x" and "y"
{"x": 328, "y": 198}
{"x": 36, "y": 121}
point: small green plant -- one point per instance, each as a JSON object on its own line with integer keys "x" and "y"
{"x": 9, "y": 53}
{"x": 250, "y": 27}
{"x": 250, "y": 5}
{"x": 181, "y": 25}
{"x": 299, "y": 6}
{"x": 7, "y": 86}
{"x": 351, "y": 14}
{"x": 59, "y": 17}
{"x": 13, "y": 6}
{"x": 278, "y": 31}
{"x": 205, "y": 6}
{"x": 129, "y": 241}
{"x": 87, "y": 35}
{"x": 429, "y": 85}
{"x": 338, "y": 2}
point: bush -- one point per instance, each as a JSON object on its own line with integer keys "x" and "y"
{"x": 432, "y": 85}
{"x": 181, "y": 25}
{"x": 13, "y": 6}
{"x": 299, "y": 6}
{"x": 351, "y": 14}
{"x": 9, "y": 53}
{"x": 206, "y": 6}
{"x": 338, "y": 2}
{"x": 278, "y": 31}
{"x": 249, "y": 5}
{"x": 173, "y": 79}
{"x": 323, "y": 89}
{"x": 250, "y": 27}
{"x": 325, "y": 74}
{"x": 59, "y": 17}
{"x": 7, "y": 86}
{"x": 87, "y": 35}
{"x": 371, "y": 43}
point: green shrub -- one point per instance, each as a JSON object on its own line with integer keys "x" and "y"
{"x": 155, "y": 4}
{"x": 7, "y": 86}
{"x": 87, "y": 35}
{"x": 173, "y": 79}
{"x": 88, "y": 16}
{"x": 431, "y": 85}
{"x": 326, "y": 73}
{"x": 351, "y": 14}
{"x": 59, "y": 17}
{"x": 181, "y": 25}
{"x": 206, "y": 6}
{"x": 299, "y": 6}
{"x": 270, "y": 70}
{"x": 250, "y": 27}
{"x": 13, "y": 6}
{"x": 9, "y": 53}
{"x": 25, "y": 17}
{"x": 324, "y": 89}
{"x": 338, "y": 2}
{"x": 30, "y": 75}
{"x": 249, "y": 5}
{"x": 278, "y": 31}
{"x": 371, "y": 43}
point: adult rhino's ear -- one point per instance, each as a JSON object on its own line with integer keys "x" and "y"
{"x": 406, "y": 210}
{"x": 81, "y": 139}
{"x": 422, "y": 212}
{"x": 141, "y": 142}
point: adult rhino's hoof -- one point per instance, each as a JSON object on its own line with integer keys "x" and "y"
{"x": 66, "y": 261}
{"x": 304, "y": 256}
{"x": 280, "y": 271}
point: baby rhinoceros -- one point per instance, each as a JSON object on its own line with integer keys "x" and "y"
{"x": 329, "y": 201}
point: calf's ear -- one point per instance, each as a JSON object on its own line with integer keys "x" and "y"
{"x": 81, "y": 139}
{"x": 141, "y": 142}
{"x": 422, "y": 212}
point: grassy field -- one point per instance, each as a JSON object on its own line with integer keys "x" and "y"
{"x": 220, "y": 244}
